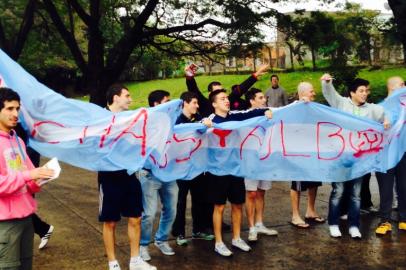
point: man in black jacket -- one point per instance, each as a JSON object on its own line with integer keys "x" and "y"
{"x": 201, "y": 209}
{"x": 236, "y": 103}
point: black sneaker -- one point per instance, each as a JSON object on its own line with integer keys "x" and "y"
{"x": 202, "y": 236}
{"x": 181, "y": 240}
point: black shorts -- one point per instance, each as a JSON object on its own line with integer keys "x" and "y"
{"x": 202, "y": 184}
{"x": 304, "y": 185}
{"x": 120, "y": 194}
{"x": 227, "y": 187}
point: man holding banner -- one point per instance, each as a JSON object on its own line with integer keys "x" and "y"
{"x": 197, "y": 186}
{"x": 355, "y": 104}
{"x": 386, "y": 181}
{"x": 255, "y": 202}
{"x": 120, "y": 194}
{"x": 228, "y": 187}
{"x": 152, "y": 188}
{"x": 306, "y": 93}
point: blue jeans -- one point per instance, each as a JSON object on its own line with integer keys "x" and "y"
{"x": 168, "y": 193}
{"x": 353, "y": 187}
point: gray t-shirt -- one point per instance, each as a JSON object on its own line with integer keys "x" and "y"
{"x": 276, "y": 97}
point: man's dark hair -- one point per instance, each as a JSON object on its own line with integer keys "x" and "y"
{"x": 211, "y": 85}
{"x": 274, "y": 76}
{"x": 157, "y": 96}
{"x": 114, "y": 90}
{"x": 7, "y": 94}
{"x": 353, "y": 86}
{"x": 213, "y": 94}
{"x": 250, "y": 95}
{"x": 188, "y": 96}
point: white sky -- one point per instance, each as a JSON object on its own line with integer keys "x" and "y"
{"x": 317, "y": 5}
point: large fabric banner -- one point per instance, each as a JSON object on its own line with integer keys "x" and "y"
{"x": 83, "y": 134}
{"x": 303, "y": 141}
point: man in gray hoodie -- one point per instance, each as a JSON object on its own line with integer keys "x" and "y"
{"x": 357, "y": 105}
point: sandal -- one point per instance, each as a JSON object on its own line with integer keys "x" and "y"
{"x": 315, "y": 219}
{"x": 300, "y": 225}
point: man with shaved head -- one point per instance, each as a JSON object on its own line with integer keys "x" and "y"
{"x": 306, "y": 93}
{"x": 394, "y": 83}
{"x": 386, "y": 182}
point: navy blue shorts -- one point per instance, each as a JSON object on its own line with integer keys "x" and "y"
{"x": 120, "y": 195}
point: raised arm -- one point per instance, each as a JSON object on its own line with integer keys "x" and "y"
{"x": 191, "y": 84}
{"x": 329, "y": 92}
{"x": 242, "y": 88}
{"x": 205, "y": 106}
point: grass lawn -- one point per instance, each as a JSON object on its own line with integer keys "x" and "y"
{"x": 139, "y": 90}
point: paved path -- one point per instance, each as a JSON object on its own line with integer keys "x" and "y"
{"x": 71, "y": 205}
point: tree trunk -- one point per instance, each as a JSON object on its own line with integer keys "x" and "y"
{"x": 291, "y": 57}
{"x": 399, "y": 10}
{"x": 210, "y": 66}
{"x": 96, "y": 56}
{"x": 277, "y": 57}
{"x": 404, "y": 54}
{"x": 14, "y": 46}
{"x": 270, "y": 58}
{"x": 313, "y": 59}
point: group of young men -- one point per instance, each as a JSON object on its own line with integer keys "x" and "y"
{"x": 136, "y": 196}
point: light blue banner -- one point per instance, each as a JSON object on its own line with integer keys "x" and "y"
{"x": 303, "y": 141}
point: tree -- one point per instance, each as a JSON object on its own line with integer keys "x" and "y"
{"x": 23, "y": 30}
{"x": 315, "y": 31}
{"x": 143, "y": 23}
{"x": 289, "y": 26}
{"x": 10, "y": 12}
{"x": 360, "y": 27}
{"x": 310, "y": 29}
{"x": 399, "y": 10}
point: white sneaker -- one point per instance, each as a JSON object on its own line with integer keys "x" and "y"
{"x": 334, "y": 231}
{"x": 222, "y": 249}
{"x": 344, "y": 217}
{"x": 264, "y": 230}
{"x": 144, "y": 253}
{"x": 354, "y": 232}
{"x": 239, "y": 243}
{"x": 164, "y": 248}
{"x": 141, "y": 265}
{"x": 45, "y": 238}
{"x": 252, "y": 234}
{"x": 113, "y": 265}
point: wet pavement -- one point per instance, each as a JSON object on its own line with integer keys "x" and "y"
{"x": 70, "y": 203}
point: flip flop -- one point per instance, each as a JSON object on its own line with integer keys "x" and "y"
{"x": 300, "y": 225}
{"x": 315, "y": 219}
